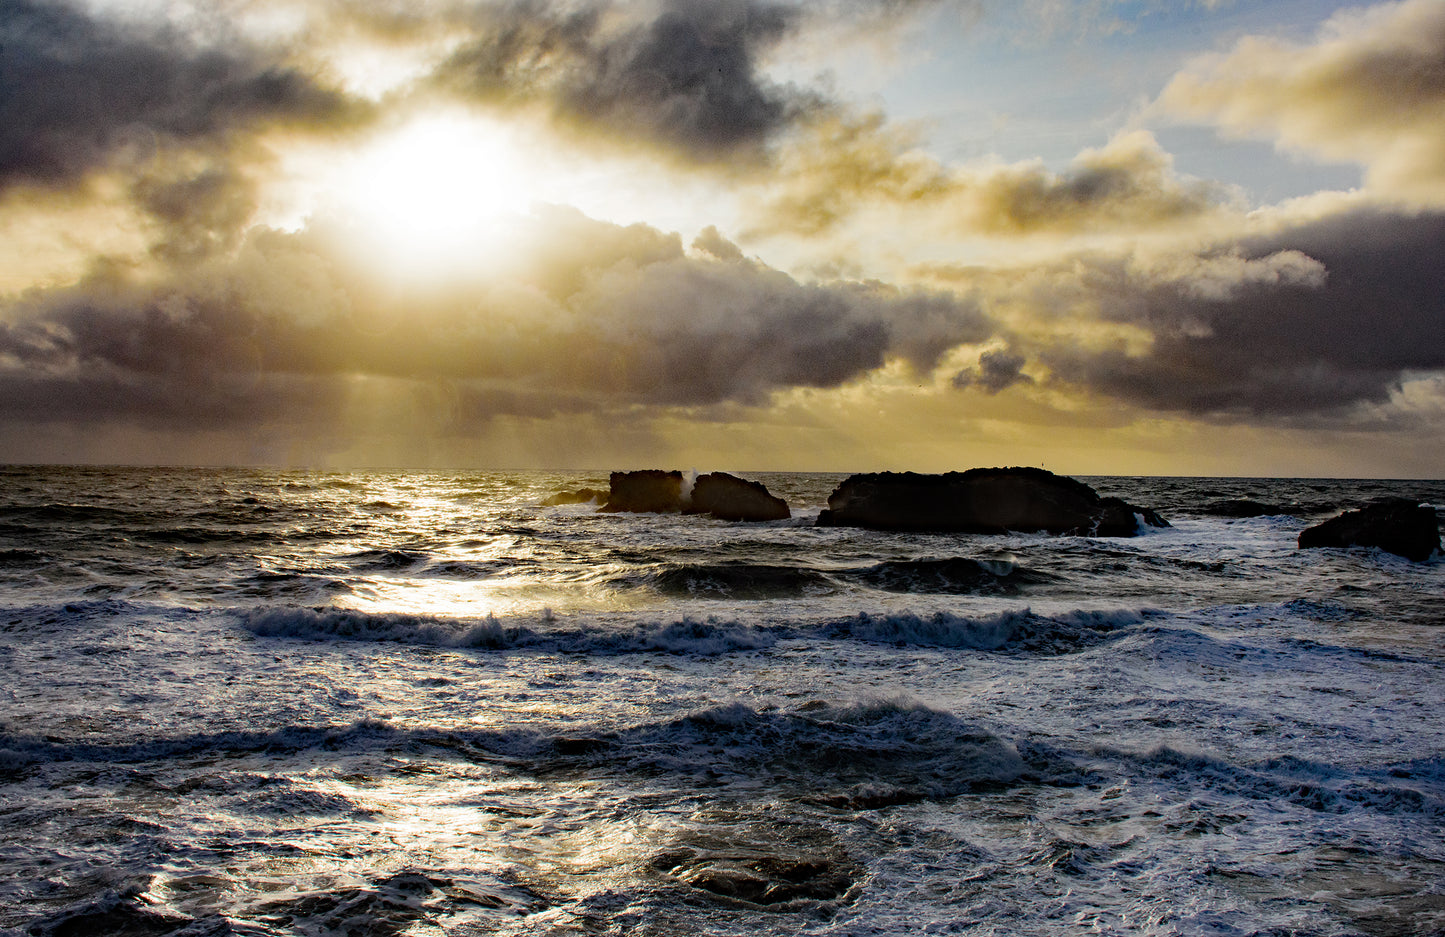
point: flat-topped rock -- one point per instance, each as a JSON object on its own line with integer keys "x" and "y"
{"x": 649, "y": 491}
{"x": 1401, "y": 526}
{"x": 982, "y": 500}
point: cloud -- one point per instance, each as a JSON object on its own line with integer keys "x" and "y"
{"x": 848, "y": 164}
{"x": 200, "y": 209}
{"x": 602, "y": 318}
{"x": 1129, "y": 183}
{"x": 81, "y": 92}
{"x": 680, "y": 74}
{"x": 1370, "y": 89}
{"x": 1306, "y": 324}
{"x": 843, "y": 162}
{"x": 997, "y": 370}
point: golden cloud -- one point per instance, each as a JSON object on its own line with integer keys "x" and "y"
{"x": 843, "y": 165}
{"x": 1370, "y": 90}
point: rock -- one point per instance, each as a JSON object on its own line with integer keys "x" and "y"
{"x": 1401, "y": 526}
{"x": 577, "y": 496}
{"x": 982, "y": 500}
{"x": 717, "y": 494}
{"x": 730, "y": 498}
{"x": 1242, "y": 507}
{"x": 648, "y": 491}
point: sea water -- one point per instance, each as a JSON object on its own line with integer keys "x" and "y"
{"x": 257, "y": 702}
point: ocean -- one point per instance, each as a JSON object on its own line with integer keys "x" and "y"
{"x": 271, "y": 702}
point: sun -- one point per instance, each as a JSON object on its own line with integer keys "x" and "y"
{"x": 434, "y": 196}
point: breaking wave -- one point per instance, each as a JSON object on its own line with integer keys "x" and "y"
{"x": 687, "y": 636}
{"x": 1012, "y": 630}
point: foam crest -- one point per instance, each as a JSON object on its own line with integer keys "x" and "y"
{"x": 351, "y": 625}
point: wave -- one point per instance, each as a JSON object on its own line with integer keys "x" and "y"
{"x": 350, "y": 625}
{"x": 124, "y": 911}
{"x": 751, "y": 580}
{"x": 1315, "y": 786}
{"x": 382, "y": 561}
{"x": 18, "y": 751}
{"x": 853, "y": 755}
{"x": 857, "y": 755}
{"x": 202, "y": 535}
{"x": 735, "y": 581}
{"x": 1012, "y": 630}
{"x": 74, "y": 514}
{"x": 23, "y": 557}
{"x": 950, "y": 576}
{"x": 687, "y": 636}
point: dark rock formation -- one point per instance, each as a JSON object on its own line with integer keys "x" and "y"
{"x": 1244, "y": 507}
{"x": 649, "y": 491}
{"x": 730, "y": 498}
{"x": 717, "y": 494}
{"x": 984, "y": 501}
{"x": 577, "y": 496}
{"x": 1397, "y": 525}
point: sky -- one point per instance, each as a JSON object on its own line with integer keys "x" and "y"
{"x": 1101, "y": 236}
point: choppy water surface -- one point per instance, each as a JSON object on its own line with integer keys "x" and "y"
{"x": 242, "y": 702}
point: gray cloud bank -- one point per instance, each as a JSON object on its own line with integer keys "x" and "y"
{"x": 1298, "y": 325}
{"x": 599, "y": 318}
{"x": 78, "y": 91}
{"x": 684, "y": 74}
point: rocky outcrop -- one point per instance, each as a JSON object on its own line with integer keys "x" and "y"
{"x": 1398, "y": 525}
{"x": 730, "y": 498}
{"x": 576, "y": 496}
{"x": 717, "y": 494}
{"x": 982, "y": 500}
{"x": 648, "y": 491}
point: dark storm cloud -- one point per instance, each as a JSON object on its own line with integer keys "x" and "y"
{"x": 684, "y": 74}
{"x": 1311, "y": 321}
{"x": 997, "y": 370}
{"x": 77, "y": 91}
{"x": 603, "y": 318}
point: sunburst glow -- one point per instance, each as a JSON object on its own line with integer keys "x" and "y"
{"x": 435, "y": 195}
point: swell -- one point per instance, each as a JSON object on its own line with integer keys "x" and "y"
{"x": 686, "y": 636}
{"x": 1020, "y": 631}
{"x": 753, "y": 580}
{"x": 950, "y": 576}
{"x": 1011, "y": 631}
{"x": 860, "y": 754}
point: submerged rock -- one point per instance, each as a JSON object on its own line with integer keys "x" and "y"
{"x": 1244, "y": 507}
{"x": 982, "y": 500}
{"x": 717, "y": 494}
{"x": 576, "y": 496}
{"x": 1401, "y": 526}
{"x": 730, "y": 498}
